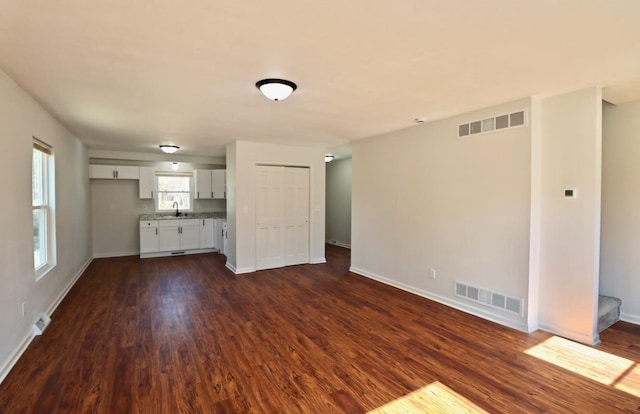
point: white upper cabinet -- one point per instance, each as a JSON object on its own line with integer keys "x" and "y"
{"x": 202, "y": 179}
{"x": 219, "y": 183}
{"x": 114, "y": 172}
{"x": 146, "y": 185}
{"x": 210, "y": 184}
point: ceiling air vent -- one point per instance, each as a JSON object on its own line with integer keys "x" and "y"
{"x": 496, "y": 123}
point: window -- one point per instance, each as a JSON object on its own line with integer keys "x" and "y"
{"x": 42, "y": 201}
{"x": 174, "y": 188}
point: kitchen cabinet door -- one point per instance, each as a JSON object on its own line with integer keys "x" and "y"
{"x": 202, "y": 179}
{"x": 113, "y": 172}
{"x": 125, "y": 172}
{"x": 102, "y": 171}
{"x": 207, "y": 228}
{"x": 168, "y": 237}
{"x": 219, "y": 183}
{"x": 149, "y": 240}
{"x": 145, "y": 185}
{"x": 189, "y": 234}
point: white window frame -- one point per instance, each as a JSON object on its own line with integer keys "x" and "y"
{"x": 160, "y": 174}
{"x": 45, "y": 203}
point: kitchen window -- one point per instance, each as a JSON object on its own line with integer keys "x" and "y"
{"x": 42, "y": 202}
{"x": 174, "y": 188}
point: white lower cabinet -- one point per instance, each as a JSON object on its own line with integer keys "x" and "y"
{"x": 189, "y": 234}
{"x": 207, "y": 233}
{"x": 148, "y": 236}
{"x": 170, "y": 236}
{"x": 178, "y": 235}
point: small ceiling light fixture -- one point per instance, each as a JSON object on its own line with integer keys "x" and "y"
{"x": 276, "y": 89}
{"x": 169, "y": 149}
{"x": 328, "y": 158}
{"x": 174, "y": 166}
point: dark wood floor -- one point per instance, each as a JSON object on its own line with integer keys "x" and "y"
{"x": 184, "y": 335}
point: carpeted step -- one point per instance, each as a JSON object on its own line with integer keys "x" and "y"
{"x": 608, "y": 311}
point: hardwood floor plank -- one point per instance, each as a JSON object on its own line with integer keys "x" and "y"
{"x": 184, "y": 335}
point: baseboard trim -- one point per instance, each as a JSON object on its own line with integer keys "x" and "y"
{"x": 240, "y": 271}
{"x": 463, "y": 307}
{"x": 318, "y": 261}
{"x": 627, "y": 317}
{"x": 66, "y": 290}
{"x": 24, "y": 344}
{"x": 338, "y": 243}
{"x": 15, "y": 356}
{"x": 177, "y": 253}
{"x": 115, "y": 254}
{"x": 570, "y": 334}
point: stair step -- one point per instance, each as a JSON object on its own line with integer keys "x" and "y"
{"x": 608, "y": 311}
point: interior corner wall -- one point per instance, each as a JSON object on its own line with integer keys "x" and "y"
{"x": 533, "y": 298}
{"x": 21, "y": 118}
{"x": 338, "y": 225}
{"x": 232, "y": 262}
{"x": 619, "y": 260}
{"x": 247, "y": 156}
{"x": 570, "y": 228}
{"x": 423, "y": 199}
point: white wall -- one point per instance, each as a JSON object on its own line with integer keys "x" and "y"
{"x": 116, "y": 205}
{"x": 242, "y": 157}
{"x": 338, "y": 217}
{"x": 424, "y": 199}
{"x": 20, "y": 119}
{"x": 570, "y": 228}
{"x": 620, "y": 260}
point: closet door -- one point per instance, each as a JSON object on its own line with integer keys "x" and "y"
{"x": 269, "y": 217}
{"x": 296, "y": 216}
{"x": 282, "y": 216}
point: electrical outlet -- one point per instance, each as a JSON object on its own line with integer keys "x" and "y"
{"x": 432, "y": 273}
{"x": 24, "y": 309}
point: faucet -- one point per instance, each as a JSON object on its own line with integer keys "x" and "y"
{"x": 175, "y": 204}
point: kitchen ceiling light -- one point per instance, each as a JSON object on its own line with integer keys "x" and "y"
{"x": 328, "y": 158}
{"x": 276, "y": 89}
{"x": 169, "y": 149}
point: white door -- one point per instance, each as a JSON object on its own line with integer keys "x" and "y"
{"x": 282, "y": 216}
{"x": 296, "y": 216}
{"x": 269, "y": 217}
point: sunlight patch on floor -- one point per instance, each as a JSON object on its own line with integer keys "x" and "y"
{"x": 605, "y": 368}
{"x": 433, "y": 398}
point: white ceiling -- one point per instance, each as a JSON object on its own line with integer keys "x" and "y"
{"x": 130, "y": 75}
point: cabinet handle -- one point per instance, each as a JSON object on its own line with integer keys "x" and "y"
{"x": 198, "y": 193}
{"x": 151, "y": 193}
{"x": 203, "y": 222}
{"x": 212, "y": 194}
{"x": 156, "y": 231}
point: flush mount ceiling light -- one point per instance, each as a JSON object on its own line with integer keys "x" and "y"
{"x": 169, "y": 149}
{"x": 276, "y": 89}
{"x": 328, "y": 158}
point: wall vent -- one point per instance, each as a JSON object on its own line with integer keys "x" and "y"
{"x": 41, "y": 324}
{"x": 492, "y": 299}
{"x": 496, "y": 123}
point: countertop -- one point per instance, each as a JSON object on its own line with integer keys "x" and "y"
{"x": 187, "y": 215}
